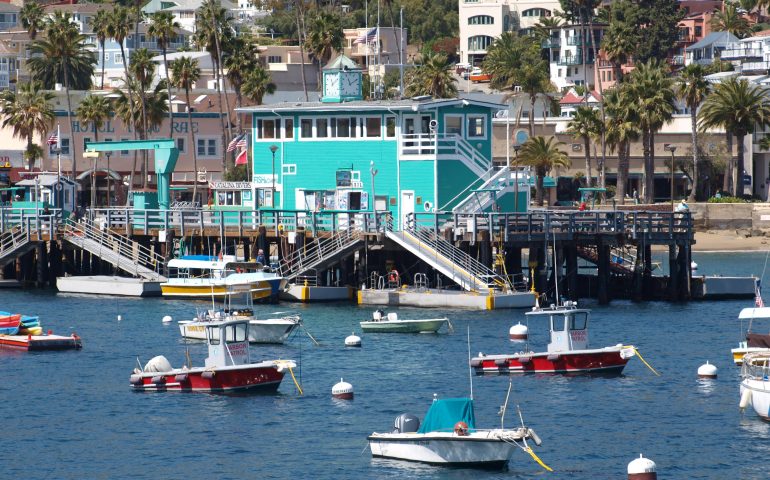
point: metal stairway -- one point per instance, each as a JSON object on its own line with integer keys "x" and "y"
{"x": 123, "y": 253}
{"x": 466, "y": 271}
{"x": 478, "y": 201}
{"x": 320, "y": 254}
{"x": 14, "y": 242}
{"x": 622, "y": 260}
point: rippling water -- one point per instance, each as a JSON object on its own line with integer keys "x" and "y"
{"x": 73, "y": 415}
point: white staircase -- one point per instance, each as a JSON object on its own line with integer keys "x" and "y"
{"x": 498, "y": 184}
{"x": 13, "y": 242}
{"x": 123, "y": 253}
{"x": 319, "y": 254}
{"x": 464, "y": 270}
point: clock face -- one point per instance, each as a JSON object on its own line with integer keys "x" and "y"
{"x": 332, "y": 85}
{"x": 351, "y": 84}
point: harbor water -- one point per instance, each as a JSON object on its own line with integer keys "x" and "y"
{"x": 72, "y": 415}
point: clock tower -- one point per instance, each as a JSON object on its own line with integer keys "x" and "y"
{"x": 342, "y": 81}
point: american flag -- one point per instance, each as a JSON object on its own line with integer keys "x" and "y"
{"x": 239, "y": 141}
{"x": 53, "y": 139}
{"x": 758, "y": 299}
{"x": 366, "y": 37}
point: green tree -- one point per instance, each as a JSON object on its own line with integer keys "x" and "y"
{"x": 652, "y": 95}
{"x": 238, "y": 64}
{"x": 622, "y": 128}
{"x": 28, "y": 111}
{"x": 142, "y": 70}
{"x": 652, "y": 26}
{"x": 94, "y": 110}
{"x": 257, "y": 84}
{"x": 163, "y": 29}
{"x": 543, "y": 155}
{"x": 63, "y": 57}
{"x": 740, "y": 107}
{"x": 184, "y": 73}
{"x": 582, "y": 127}
{"x": 731, "y": 20}
{"x": 118, "y": 29}
{"x": 693, "y": 88}
{"x": 32, "y": 18}
{"x": 324, "y": 37}
{"x": 431, "y": 76}
{"x": 101, "y": 27}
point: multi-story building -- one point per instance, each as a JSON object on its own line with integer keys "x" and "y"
{"x": 749, "y": 56}
{"x": 185, "y": 11}
{"x": 567, "y": 47}
{"x": 481, "y": 21}
{"x": 714, "y": 46}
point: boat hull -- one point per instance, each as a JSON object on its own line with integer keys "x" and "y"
{"x": 404, "y": 326}
{"x": 260, "y": 290}
{"x": 260, "y": 331}
{"x": 256, "y": 377}
{"x": 760, "y": 396}
{"x": 607, "y": 361}
{"x": 443, "y": 449}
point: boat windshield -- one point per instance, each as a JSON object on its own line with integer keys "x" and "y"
{"x": 236, "y": 333}
{"x": 578, "y": 321}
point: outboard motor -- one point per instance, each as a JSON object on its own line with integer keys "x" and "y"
{"x": 406, "y": 423}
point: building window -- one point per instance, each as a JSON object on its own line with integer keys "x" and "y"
{"x": 64, "y": 144}
{"x": 390, "y": 127}
{"x": 274, "y": 59}
{"x": 180, "y": 145}
{"x": 289, "y": 169}
{"x": 288, "y": 128}
{"x": 698, "y": 31}
{"x": 373, "y": 127}
{"x": 453, "y": 124}
{"x": 268, "y": 128}
{"x": 206, "y": 147}
{"x": 321, "y": 127}
{"x": 479, "y": 42}
{"x": 536, "y": 12}
{"x": 481, "y": 20}
{"x": 344, "y": 127}
{"x": 306, "y": 128}
{"x": 86, "y": 140}
{"x": 477, "y": 126}
{"x": 229, "y": 198}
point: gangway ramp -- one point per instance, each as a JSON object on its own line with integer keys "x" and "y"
{"x": 320, "y": 253}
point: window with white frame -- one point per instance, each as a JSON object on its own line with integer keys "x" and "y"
{"x": 321, "y": 127}
{"x": 268, "y": 128}
{"x": 373, "y": 127}
{"x": 119, "y": 59}
{"x": 64, "y": 144}
{"x": 206, "y": 147}
{"x": 390, "y": 127}
{"x": 274, "y": 59}
{"x": 477, "y": 126}
{"x": 288, "y": 128}
{"x": 289, "y": 169}
{"x": 453, "y": 124}
{"x": 306, "y": 128}
{"x": 343, "y": 127}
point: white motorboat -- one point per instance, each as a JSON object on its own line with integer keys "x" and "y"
{"x": 203, "y": 276}
{"x": 390, "y": 323}
{"x": 755, "y": 383}
{"x": 755, "y": 342}
{"x": 448, "y": 436}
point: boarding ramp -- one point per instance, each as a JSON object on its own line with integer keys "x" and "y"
{"x": 463, "y": 269}
{"x": 622, "y": 259}
{"x": 320, "y": 254}
{"x": 483, "y": 198}
{"x": 123, "y": 253}
{"x": 15, "y": 241}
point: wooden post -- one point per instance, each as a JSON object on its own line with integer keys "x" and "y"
{"x": 673, "y": 274}
{"x": 647, "y": 273}
{"x": 485, "y": 248}
{"x": 570, "y": 252}
{"x": 246, "y": 248}
{"x": 513, "y": 263}
{"x": 685, "y": 273}
{"x": 603, "y": 292}
{"x": 42, "y": 265}
{"x": 54, "y": 259}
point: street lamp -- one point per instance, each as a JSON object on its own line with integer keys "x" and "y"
{"x": 109, "y": 180}
{"x": 672, "y": 149}
{"x": 373, "y": 171}
{"x": 516, "y": 148}
{"x": 273, "y": 148}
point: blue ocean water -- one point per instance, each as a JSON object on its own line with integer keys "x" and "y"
{"x": 72, "y": 415}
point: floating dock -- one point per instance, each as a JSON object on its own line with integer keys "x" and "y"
{"x": 108, "y": 285}
{"x": 436, "y": 298}
{"x": 41, "y": 342}
{"x": 308, "y": 294}
{"x": 717, "y": 288}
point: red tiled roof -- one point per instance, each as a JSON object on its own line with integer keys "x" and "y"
{"x": 571, "y": 98}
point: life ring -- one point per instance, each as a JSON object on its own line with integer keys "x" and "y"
{"x": 461, "y": 429}
{"x": 393, "y": 276}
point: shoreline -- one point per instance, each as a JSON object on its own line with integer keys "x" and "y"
{"x": 728, "y": 241}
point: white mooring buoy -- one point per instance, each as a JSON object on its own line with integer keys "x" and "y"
{"x": 120, "y": 317}
{"x": 642, "y": 469}
{"x": 707, "y": 370}
{"x": 167, "y": 319}
{"x": 518, "y": 333}
{"x": 342, "y": 390}
{"x": 353, "y": 340}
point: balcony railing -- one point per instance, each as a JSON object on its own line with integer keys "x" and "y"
{"x": 8, "y": 25}
{"x": 575, "y": 40}
{"x": 155, "y": 46}
{"x": 574, "y": 60}
{"x": 551, "y": 43}
{"x": 755, "y": 67}
{"x": 676, "y": 60}
{"x": 739, "y": 53}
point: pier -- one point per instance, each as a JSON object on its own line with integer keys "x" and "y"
{"x": 475, "y": 253}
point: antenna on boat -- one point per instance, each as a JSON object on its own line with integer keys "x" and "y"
{"x": 470, "y": 369}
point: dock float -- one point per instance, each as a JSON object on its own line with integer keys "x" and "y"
{"x": 312, "y": 294}
{"x": 108, "y": 285}
{"x": 41, "y": 342}
{"x": 433, "y": 298}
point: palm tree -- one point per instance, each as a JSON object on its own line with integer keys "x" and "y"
{"x": 63, "y": 56}
{"x": 542, "y": 154}
{"x": 101, "y": 27}
{"x": 544, "y": 26}
{"x": 239, "y": 64}
{"x": 94, "y": 109}
{"x": 184, "y": 73}
{"x": 653, "y": 99}
{"x": 257, "y": 84}
{"x": 28, "y": 111}
{"x": 324, "y": 37}
{"x": 431, "y": 77}
{"x": 731, "y": 20}
{"x": 582, "y": 126}
{"x": 118, "y": 29}
{"x": 693, "y": 89}
{"x": 142, "y": 70}
{"x": 32, "y": 18}
{"x": 622, "y": 129}
{"x": 740, "y": 107}
{"x": 618, "y": 46}
{"x": 163, "y": 29}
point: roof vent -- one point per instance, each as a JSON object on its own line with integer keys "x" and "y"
{"x": 422, "y": 98}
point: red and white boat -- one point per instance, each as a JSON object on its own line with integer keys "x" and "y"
{"x": 228, "y": 366}
{"x": 568, "y": 350}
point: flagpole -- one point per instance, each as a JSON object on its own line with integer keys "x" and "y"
{"x": 58, "y": 166}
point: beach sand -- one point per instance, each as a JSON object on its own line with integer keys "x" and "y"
{"x": 728, "y": 240}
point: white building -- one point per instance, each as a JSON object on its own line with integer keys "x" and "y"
{"x": 481, "y": 21}
{"x": 566, "y": 46}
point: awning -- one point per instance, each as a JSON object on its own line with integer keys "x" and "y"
{"x": 548, "y": 182}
